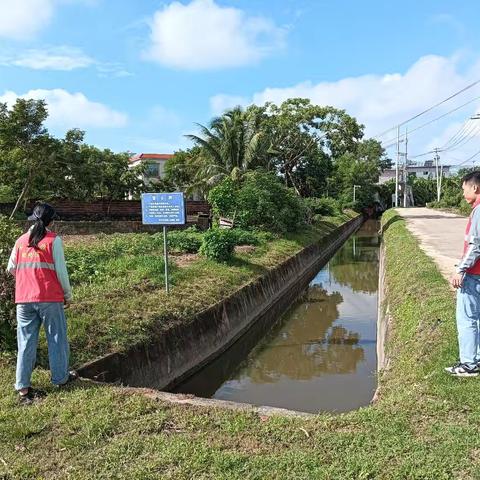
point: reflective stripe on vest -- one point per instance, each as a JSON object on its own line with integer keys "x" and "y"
{"x": 49, "y": 266}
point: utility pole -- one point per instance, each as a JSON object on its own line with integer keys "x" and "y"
{"x": 396, "y": 166}
{"x": 438, "y": 174}
{"x": 475, "y": 117}
{"x": 405, "y": 171}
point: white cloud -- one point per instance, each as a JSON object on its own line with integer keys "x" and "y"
{"x": 49, "y": 58}
{"x": 20, "y": 19}
{"x": 204, "y": 35}
{"x": 70, "y": 110}
{"x": 60, "y": 58}
{"x": 112, "y": 69}
{"x": 381, "y": 101}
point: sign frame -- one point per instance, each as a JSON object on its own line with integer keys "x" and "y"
{"x": 165, "y": 206}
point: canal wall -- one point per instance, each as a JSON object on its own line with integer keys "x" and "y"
{"x": 183, "y": 349}
{"x": 383, "y": 321}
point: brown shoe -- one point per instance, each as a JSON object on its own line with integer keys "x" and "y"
{"x": 31, "y": 396}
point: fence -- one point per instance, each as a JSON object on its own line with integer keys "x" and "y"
{"x": 105, "y": 210}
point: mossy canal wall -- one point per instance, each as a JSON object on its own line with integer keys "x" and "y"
{"x": 183, "y": 349}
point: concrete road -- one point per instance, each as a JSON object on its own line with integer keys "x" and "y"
{"x": 440, "y": 234}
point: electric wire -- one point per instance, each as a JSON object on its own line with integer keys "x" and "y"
{"x": 428, "y": 109}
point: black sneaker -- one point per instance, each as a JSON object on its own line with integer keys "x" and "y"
{"x": 463, "y": 370}
{"x": 72, "y": 376}
{"x": 29, "y": 397}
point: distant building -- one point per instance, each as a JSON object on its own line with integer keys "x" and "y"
{"x": 155, "y": 164}
{"x": 427, "y": 170}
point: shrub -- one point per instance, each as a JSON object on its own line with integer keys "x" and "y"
{"x": 424, "y": 191}
{"x": 185, "y": 241}
{"x": 9, "y": 232}
{"x": 324, "y": 206}
{"x": 218, "y": 244}
{"x": 223, "y": 198}
{"x": 245, "y": 237}
{"x": 251, "y": 237}
{"x": 259, "y": 200}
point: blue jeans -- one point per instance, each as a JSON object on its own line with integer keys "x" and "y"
{"x": 30, "y": 317}
{"x": 468, "y": 317}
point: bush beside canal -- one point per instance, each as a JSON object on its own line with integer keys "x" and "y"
{"x": 423, "y": 426}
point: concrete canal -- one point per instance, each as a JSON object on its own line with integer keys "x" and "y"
{"x": 321, "y": 355}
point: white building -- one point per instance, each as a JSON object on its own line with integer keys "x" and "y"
{"x": 155, "y": 164}
{"x": 427, "y": 171}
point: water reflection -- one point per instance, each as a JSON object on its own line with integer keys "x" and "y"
{"x": 356, "y": 264}
{"x": 322, "y": 355}
{"x": 308, "y": 344}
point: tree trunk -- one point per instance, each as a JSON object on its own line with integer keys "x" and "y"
{"x": 22, "y": 194}
{"x": 290, "y": 176}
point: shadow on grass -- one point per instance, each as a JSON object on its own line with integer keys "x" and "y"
{"x": 389, "y": 223}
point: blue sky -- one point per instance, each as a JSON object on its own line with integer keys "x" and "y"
{"x": 137, "y": 75}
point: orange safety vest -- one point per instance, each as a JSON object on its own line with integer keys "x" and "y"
{"x": 35, "y": 277}
{"x": 475, "y": 270}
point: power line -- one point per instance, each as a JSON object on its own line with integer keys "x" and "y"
{"x": 435, "y": 119}
{"x": 460, "y": 132}
{"x": 457, "y": 139}
{"x": 469, "y": 134}
{"x": 428, "y": 109}
{"x": 468, "y": 159}
{"x": 463, "y": 140}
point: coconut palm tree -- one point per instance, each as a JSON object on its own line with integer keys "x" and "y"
{"x": 232, "y": 144}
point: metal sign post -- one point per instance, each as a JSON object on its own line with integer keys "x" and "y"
{"x": 164, "y": 209}
{"x": 165, "y": 257}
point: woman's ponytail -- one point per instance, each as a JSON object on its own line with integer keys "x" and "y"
{"x": 37, "y": 233}
{"x": 42, "y": 215}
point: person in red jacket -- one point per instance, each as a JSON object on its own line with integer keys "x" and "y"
{"x": 42, "y": 291}
{"x": 467, "y": 282}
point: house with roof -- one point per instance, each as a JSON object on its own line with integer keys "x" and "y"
{"x": 427, "y": 170}
{"x": 155, "y": 164}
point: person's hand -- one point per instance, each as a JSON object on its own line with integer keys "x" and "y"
{"x": 67, "y": 303}
{"x": 456, "y": 280}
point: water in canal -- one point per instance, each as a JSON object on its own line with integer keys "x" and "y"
{"x": 321, "y": 355}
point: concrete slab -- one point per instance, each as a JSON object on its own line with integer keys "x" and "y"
{"x": 440, "y": 235}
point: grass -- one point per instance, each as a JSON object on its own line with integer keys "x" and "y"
{"x": 424, "y": 426}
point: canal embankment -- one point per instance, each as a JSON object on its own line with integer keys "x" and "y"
{"x": 423, "y": 425}
{"x": 178, "y": 352}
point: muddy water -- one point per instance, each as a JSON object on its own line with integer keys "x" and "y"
{"x": 321, "y": 356}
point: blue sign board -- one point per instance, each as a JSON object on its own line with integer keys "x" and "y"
{"x": 163, "y": 208}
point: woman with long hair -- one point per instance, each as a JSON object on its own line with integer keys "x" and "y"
{"x": 42, "y": 292}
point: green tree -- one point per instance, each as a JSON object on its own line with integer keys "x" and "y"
{"x": 231, "y": 144}
{"x": 184, "y": 172}
{"x": 360, "y": 166}
{"x": 302, "y": 134}
{"x": 259, "y": 199}
{"x": 25, "y": 146}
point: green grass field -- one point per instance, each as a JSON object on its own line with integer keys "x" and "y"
{"x": 424, "y": 426}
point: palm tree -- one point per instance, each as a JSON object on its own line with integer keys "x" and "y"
{"x": 232, "y": 144}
